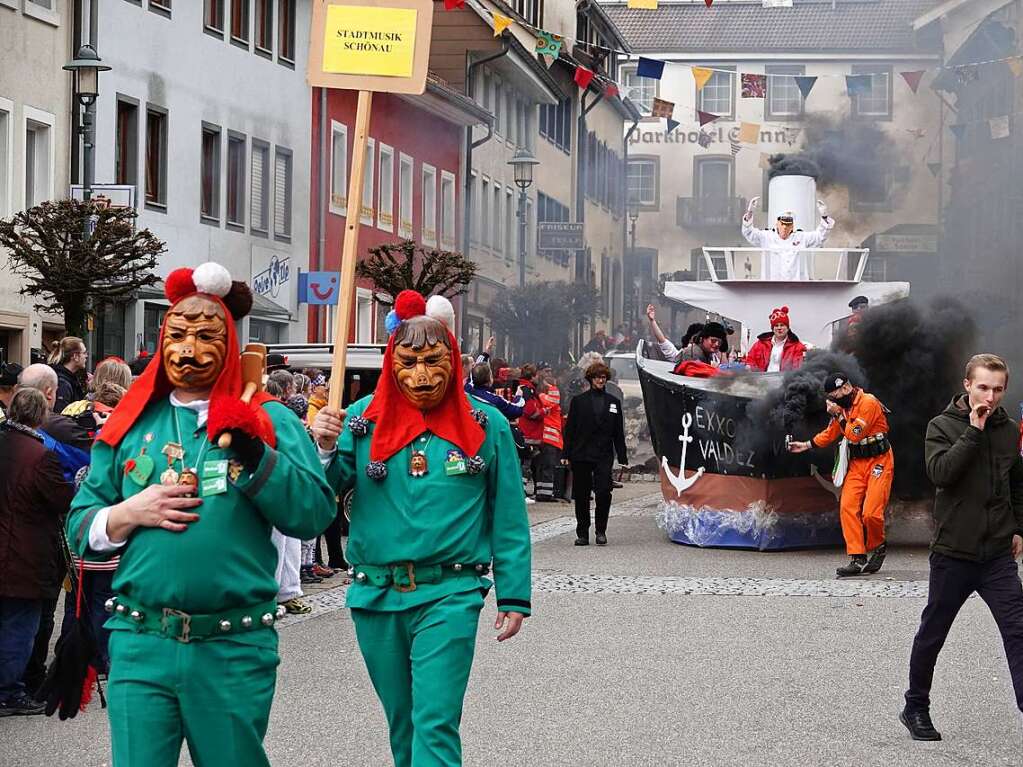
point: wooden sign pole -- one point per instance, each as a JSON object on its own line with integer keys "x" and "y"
{"x": 349, "y": 252}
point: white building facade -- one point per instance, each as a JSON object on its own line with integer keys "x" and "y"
{"x": 35, "y": 42}
{"x": 206, "y": 113}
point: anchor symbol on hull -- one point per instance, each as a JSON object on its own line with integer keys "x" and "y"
{"x": 681, "y": 482}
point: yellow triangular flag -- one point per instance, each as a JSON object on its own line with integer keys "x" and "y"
{"x": 1016, "y": 65}
{"x": 501, "y": 23}
{"x": 749, "y": 133}
{"x": 644, "y": 4}
{"x": 702, "y": 75}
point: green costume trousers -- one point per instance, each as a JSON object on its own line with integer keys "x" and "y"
{"x": 419, "y": 661}
{"x": 215, "y": 695}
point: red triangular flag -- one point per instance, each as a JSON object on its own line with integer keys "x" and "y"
{"x": 610, "y": 91}
{"x": 583, "y": 77}
{"x": 706, "y": 117}
{"x": 708, "y": 2}
{"x": 913, "y": 79}
{"x": 451, "y": 5}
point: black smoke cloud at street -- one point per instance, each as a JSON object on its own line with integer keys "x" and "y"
{"x": 910, "y": 356}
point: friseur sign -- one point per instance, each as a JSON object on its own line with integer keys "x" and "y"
{"x": 560, "y": 236}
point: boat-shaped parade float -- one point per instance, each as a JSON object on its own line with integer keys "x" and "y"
{"x": 726, "y": 477}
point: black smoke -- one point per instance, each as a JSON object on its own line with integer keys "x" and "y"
{"x": 909, "y": 356}
{"x": 849, "y": 153}
{"x": 914, "y": 357}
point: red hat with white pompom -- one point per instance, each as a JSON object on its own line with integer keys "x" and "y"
{"x": 227, "y": 411}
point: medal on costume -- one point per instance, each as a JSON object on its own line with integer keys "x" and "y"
{"x": 140, "y": 468}
{"x": 234, "y": 469}
{"x": 174, "y": 452}
{"x": 455, "y": 463}
{"x": 417, "y": 465}
{"x": 191, "y": 478}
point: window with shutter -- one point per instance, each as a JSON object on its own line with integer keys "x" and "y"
{"x": 339, "y": 168}
{"x": 282, "y": 193}
{"x": 259, "y": 198}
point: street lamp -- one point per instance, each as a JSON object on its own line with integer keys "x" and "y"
{"x": 86, "y": 68}
{"x": 522, "y": 168}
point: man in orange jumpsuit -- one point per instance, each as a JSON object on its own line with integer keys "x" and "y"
{"x": 860, "y": 418}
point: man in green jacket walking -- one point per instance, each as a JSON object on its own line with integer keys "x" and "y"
{"x": 973, "y": 459}
{"x": 438, "y": 505}
{"x": 193, "y": 651}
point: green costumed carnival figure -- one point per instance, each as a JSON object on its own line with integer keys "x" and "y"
{"x": 438, "y": 506}
{"x": 193, "y": 649}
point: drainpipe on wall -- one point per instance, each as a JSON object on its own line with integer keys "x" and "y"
{"x": 470, "y": 91}
{"x": 625, "y": 211}
{"x": 321, "y": 204}
{"x": 582, "y": 143}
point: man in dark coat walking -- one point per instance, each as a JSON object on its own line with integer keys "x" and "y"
{"x": 594, "y": 435}
{"x": 34, "y": 497}
{"x": 973, "y": 459}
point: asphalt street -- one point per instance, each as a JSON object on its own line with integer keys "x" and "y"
{"x": 647, "y": 653}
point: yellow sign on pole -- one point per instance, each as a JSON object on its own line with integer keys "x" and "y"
{"x": 369, "y": 41}
{"x": 371, "y": 45}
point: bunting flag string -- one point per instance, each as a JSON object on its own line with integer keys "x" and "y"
{"x": 672, "y": 124}
{"x": 934, "y": 168}
{"x": 662, "y": 108}
{"x": 651, "y": 68}
{"x": 501, "y": 23}
{"x": 647, "y": 5}
{"x": 1000, "y": 128}
{"x": 749, "y": 133}
{"x": 754, "y": 86}
{"x": 706, "y": 117}
{"x": 805, "y": 85}
{"x": 705, "y": 139}
{"x": 736, "y": 148}
{"x": 859, "y": 85}
{"x": 702, "y": 75}
{"x": 913, "y": 78}
{"x": 583, "y": 77}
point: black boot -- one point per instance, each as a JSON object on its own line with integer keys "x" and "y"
{"x": 582, "y": 541}
{"x": 601, "y": 539}
{"x": 876, "y": 560}
{"x": 855, "y": 566}
{"x": 918, "y": 722}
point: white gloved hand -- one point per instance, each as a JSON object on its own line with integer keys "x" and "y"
{"x": 752, "y": 206}
{"x": 822, "y": 208}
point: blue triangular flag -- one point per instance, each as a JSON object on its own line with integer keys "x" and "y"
{"x": 651, "y": 68}
{"x": 672, "y": 124}
{"x": 859, "y": 85}
{"x": 958, "y": 130}
{"x": 805, "y": 85}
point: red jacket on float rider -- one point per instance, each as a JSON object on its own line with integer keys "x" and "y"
{"x": 787, "y": 356}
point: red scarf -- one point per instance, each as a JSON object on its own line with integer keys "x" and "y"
{"x": 398, "y": 421}
{"x": 153, "y": 384}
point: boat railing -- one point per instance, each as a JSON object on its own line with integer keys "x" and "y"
{"x": 726, "y": 264}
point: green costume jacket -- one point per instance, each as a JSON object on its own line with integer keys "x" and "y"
{"x": 226, "y": 559}
{"x": 441, "y": 518}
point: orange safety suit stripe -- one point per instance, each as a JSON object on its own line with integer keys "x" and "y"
{"x": 868, "y": 481}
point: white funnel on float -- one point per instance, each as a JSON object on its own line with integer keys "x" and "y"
{"x": 797, "y": 194}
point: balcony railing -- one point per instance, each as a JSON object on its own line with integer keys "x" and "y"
{"x": 754, "y": 264}
{"x": 710, "y": 212}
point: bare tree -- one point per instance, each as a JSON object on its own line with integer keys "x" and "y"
{"x": 68, "y": 272}
{"x": 393, "y": 268}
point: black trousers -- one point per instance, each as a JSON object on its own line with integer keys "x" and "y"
{"x": 332, "y": 536}
{"x": 590, "y": 476}
{"x": 952, "y": 581}
{"x": 543, "y": 465}
{"x": 35, "y": 671}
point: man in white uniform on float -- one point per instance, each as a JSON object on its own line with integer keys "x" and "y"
{"x": 785, "y": 249}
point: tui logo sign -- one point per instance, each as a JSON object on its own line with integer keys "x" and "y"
{"x": 319, "y": 288}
